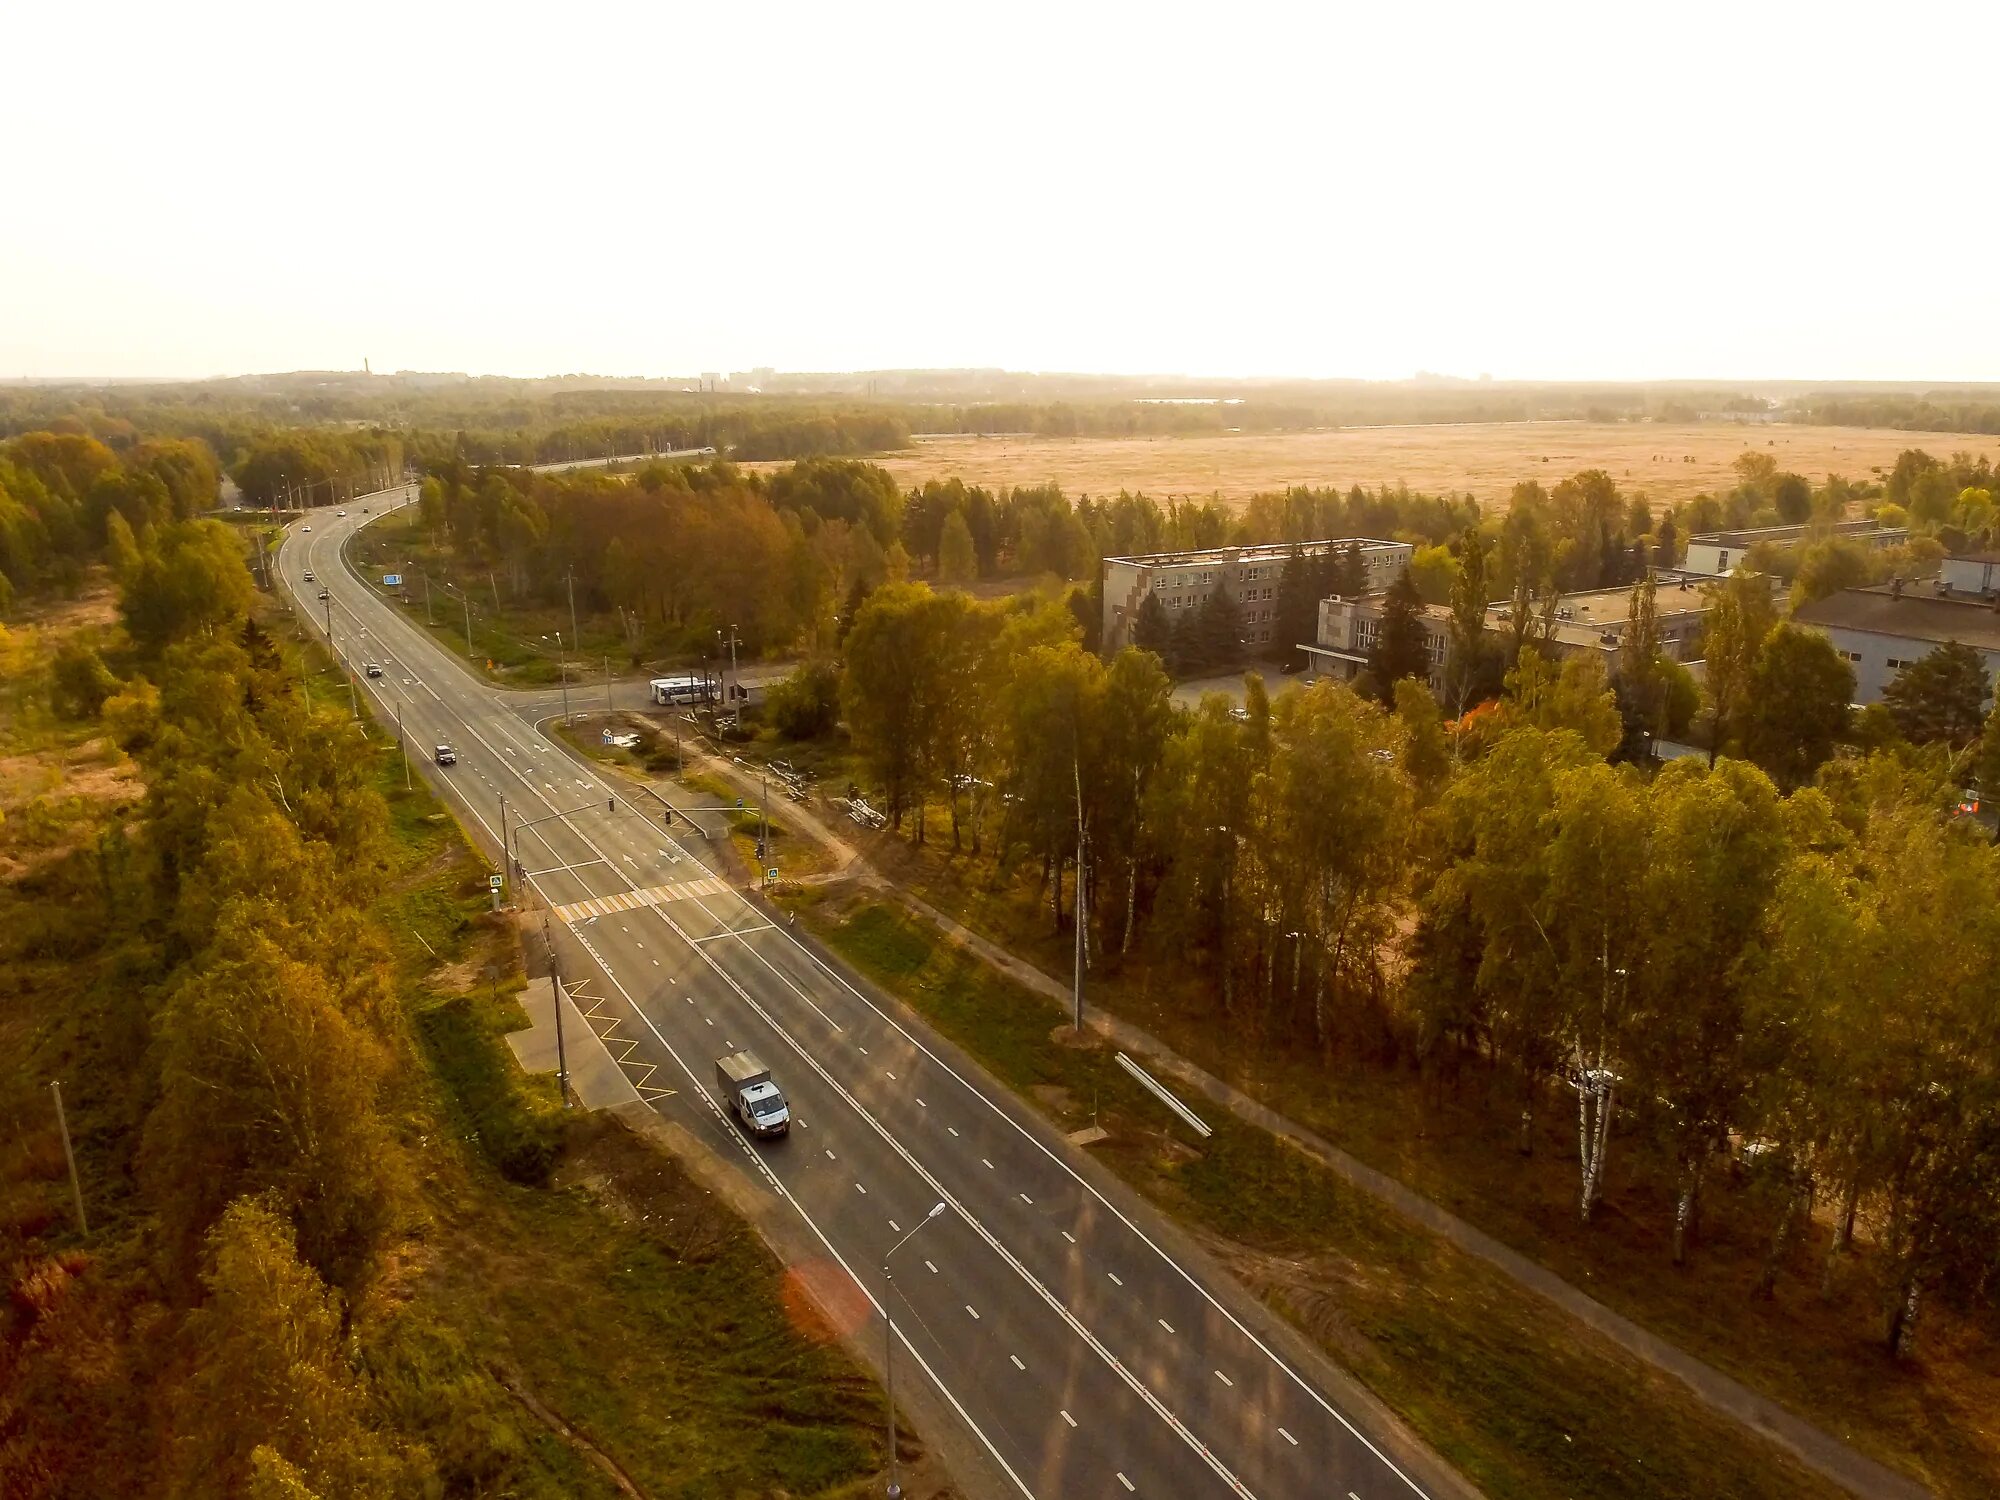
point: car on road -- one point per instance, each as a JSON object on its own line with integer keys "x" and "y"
{"x": 340, "y": 513}
{"x": 324, "y": 594}
{"x": 444, "y": 755}
{"x": 753, "y": 1098}
{"x": 374, "y": 669}
{"x": 305, "y": 528}
{"x": 309, "y": 577}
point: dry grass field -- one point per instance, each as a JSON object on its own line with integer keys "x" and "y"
{"x": 1664, "y": 462}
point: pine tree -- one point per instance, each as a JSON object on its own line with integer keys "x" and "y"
{"x": 1296, "y": 617}
{"x": 1401, "y": 644}
{"x": 957, "y": 562}
{"x": 1350, "y": 577}
{"x": 1219, "y": 629}
{"x": 1152, "y": 630}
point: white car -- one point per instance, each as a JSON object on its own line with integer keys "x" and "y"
{"x": 374, "y": 669}
{"x": 305, "y": 528}
{"x": 340, "y": 513}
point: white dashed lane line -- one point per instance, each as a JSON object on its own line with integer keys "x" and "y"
{"x": 830, "y": 1156}
{"x": 1068, "y": 1236}
{"x": 1288, "y": 1437}
{"x": 973, "y": 1310}
{"x": 860, "y": 1189}
{"x": 1225, "y": 1379}
{"x": 1166, "y": 1325}
{"x": 931, "y": 1268}
{"x": 1127, "y": 1483}
{"x": 894, "y": 1227}
{"x": 986, "y": 1164}
{"x": 1067, "y": 1417}
{"x": 1114, "y": 1278}
{"x": 1027, "y": 1200}
{"x": 1017, "y": 1361}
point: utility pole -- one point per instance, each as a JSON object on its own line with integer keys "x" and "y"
{"x": 895, "y": 1491}
{"x": 69, "y": 1152}
{"x": 428, "y": 620}
{"x": 570, "y": 574}
{"x": 1077, "y": 904}
{"x": 562, "y": 665}
{"x": 506, "y": 870}
{"x": 465, "y": 598}
{"x": 763, "y": 823}
{"x": 555, "y": 983}
{"x": 403, "y": 746}
{"x": 607, "y": 685}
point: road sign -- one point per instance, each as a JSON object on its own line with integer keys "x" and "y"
{"x": 739, "y": 801}
{"x": 772, "y": 873}
{"x": 392, "y": 580}
{"x": 493, "y": 882}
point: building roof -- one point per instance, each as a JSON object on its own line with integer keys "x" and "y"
{"x": 1262, "y": 552}
{"x": 1917, "y": 615}
{"x": 1756, "y": 534}
{"x": 1973, "y": 557}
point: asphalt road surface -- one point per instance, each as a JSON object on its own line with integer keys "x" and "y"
{"x": 1081, "y": 1352}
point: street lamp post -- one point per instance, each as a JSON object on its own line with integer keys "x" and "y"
{"x": 895, "y": 1491}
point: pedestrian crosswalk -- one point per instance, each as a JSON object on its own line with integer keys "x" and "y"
{"x": 655, "y": 895}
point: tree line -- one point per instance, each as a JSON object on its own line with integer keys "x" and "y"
{"x": 65, "y": 499}
{"x": 1753, "y": 961}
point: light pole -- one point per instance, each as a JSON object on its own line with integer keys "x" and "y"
{"x": 562, "y": 665}
{"x": 889, "y": 1346}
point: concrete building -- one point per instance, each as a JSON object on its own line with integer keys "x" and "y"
{"x": 1884, "y": 628}
{"x": 1185, "y": 580}
{"x": 1715, "y": 553}
{"x": 1589, "y": 622}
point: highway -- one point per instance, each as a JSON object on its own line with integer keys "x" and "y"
{"x": 1082, "y": 1354}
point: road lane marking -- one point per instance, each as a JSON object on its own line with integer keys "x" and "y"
{"x": 894, "y": 1227}
{"x": 1225, "y": 1379}
{"x": 830, "y": 1156}
{"x": 1066, "y": 1417}
{"x": 892, "y": 1076}
{"x": 1126, "y": 1482}
{"x": 1068, "y": 1236}
{"x": 860, "y": 1189}
{"x": 922, "y": 1105}
{"x": 1114, "y": 1278}
{"x": 1017, "y": 1361}
{"x": 952, "y": 1128}
{"x": 1288, "y": 1437}
{"x": 985, "y": 1163}
{"x": 933, "y": 1269}
{"x": 973, "y": 1310}
{"x": 1166, "y": 1325}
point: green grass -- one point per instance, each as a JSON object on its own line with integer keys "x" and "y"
{"x": 1524, "y": 1402}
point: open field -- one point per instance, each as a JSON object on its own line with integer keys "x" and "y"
{"x": 1666, "y": 462}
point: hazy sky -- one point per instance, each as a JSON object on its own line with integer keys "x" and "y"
{"x": 1530, "y": 190}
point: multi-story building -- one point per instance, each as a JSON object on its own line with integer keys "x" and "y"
{"x": 1889, "y": 626}
{"x": 1185, "y": 580}
{"x": 1589, "y": 622}
{"x": 1715, "y": 553}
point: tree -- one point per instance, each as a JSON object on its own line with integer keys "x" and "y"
{"x": 1793, "y": 497}
{"x": 275, "y": 1405}
{"x": 1798, "y": 707}
{"x": 1828, "y": 566}
{"x": 1402, "y": 646}
{"x": 1053, "y": 718}
{"x": 1740, "y": 616}
{"x": 1434, "y": 571}
{"x": 957, "y": 561}
{"x": 1151, "y": 629}
{"x": 1472, "y": 666}
{"x": 1986, "y": 764}
{"x": 1219, "y": 630}
{"x": 894, "y": 688}
{"x": 1639, "y": 680}
{"x": 79, "y": 681}
{"x": 1941, "y": 697}
{"x": 1570, "y": 694}
{"x": 1137, "y": 716}
{"x": 806, "y": 704}
{"x": 190, "y": 579}
{"x": 1296, "y": 617}
{"x": 1348, "y": 578}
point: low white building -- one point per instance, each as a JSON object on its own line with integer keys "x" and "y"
{"x": 1715, "y": 553}
{"x": 1882, "y": 629}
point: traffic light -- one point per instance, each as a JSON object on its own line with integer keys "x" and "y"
{"x": 760, "y": 848}
{"x": 667, "y": 817}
